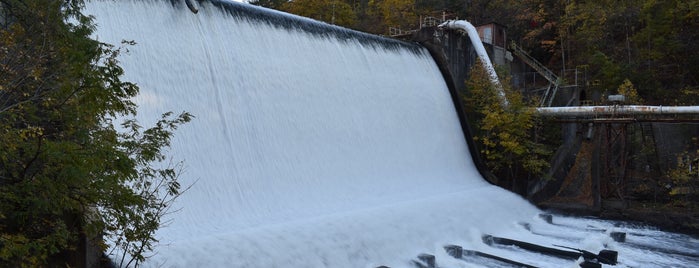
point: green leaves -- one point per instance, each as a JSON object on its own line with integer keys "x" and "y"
{"x": 64, "y": 168}
{"x": 505, "y": 134}
{"x": 684, "y": 177}
{"x": 334, "y": 12}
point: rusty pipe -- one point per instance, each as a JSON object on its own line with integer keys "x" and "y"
{"x": 614, "y": 110}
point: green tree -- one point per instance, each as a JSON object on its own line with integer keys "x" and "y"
{"x": 273, "y": 4}
{"x": 399, "y": 13}
{"x": 336, "y": 12}
{"x": 629, "y": 91}
{"x": 598, "y": 35}
{"x": 650, "y": 42}
{"x": 505, "y": 135}
{"x": 65, "y": 169}
{"x": 685, "y": 177}
{"x": 667, "y": 45}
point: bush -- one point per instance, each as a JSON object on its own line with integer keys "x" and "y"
{"x": 65, "y": 170}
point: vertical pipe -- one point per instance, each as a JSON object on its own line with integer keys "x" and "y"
{"x": 482, "y": 54}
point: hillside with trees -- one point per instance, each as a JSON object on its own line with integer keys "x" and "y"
{"x": 651, "y": 43}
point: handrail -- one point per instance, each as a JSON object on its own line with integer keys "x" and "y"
{"x": 531, "y": 61}
{"x": 553, "y": 79}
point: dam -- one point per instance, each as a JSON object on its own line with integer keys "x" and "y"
{"x": 319, "y": 146}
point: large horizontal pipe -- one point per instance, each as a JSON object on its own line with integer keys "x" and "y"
{"x": 591, "y": 111}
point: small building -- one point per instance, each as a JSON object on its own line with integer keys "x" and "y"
{"x": 493, "y": 34}
{"x": 494, "y": 37}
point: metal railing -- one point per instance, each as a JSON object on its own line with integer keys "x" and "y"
{"x": 554, "y": 80}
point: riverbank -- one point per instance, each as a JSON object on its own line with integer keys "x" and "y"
{"x": 668, "y": 217}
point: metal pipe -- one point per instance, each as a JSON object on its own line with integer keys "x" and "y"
{"x": 482, "y": 54}
{"x": 615, "y": 110}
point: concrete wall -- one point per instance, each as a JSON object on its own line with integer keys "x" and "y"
{"x": 455, "y": 55}
{"x": 454, "y": 47}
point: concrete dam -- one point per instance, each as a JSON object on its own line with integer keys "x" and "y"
{"x": 319, "y": 146}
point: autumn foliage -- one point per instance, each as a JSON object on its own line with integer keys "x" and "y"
{"x": 67, "y": 169}
{"x": 505, "y": 136}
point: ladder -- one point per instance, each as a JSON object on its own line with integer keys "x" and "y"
{"x": 554, "y": 80}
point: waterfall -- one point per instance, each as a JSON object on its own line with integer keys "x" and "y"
{"x": 312, "y": 146}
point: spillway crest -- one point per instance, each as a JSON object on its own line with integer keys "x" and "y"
{"x": 312, "y": 146}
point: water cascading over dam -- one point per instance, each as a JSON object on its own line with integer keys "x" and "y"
{"x": 312, "y": 146}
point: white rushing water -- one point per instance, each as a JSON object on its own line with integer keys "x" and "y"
{"x": 309, "y": 150}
